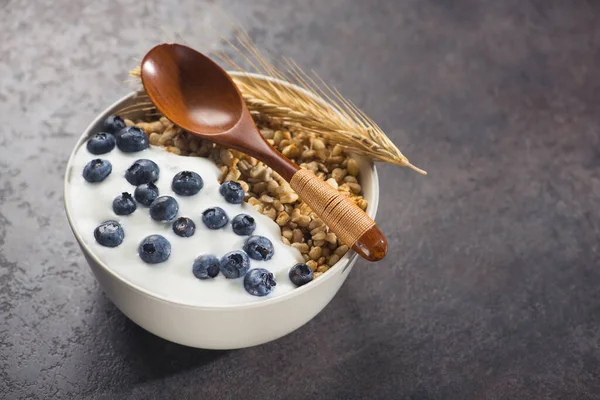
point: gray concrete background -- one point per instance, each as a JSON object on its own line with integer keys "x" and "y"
{"x": 491, "y": 286}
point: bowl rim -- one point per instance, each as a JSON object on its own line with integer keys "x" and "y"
{"x": 339, "y": 267}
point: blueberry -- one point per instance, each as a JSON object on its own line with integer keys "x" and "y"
{"x": 101, "y": 143}
{"x": 206, "y": 266}
{"x": 184, "y": 227}
{"x": 234, "y": 264}
{"x": 259, "y": 248}
{"x": 243, "y": 224}
{"x": 301, "y": 274}
{"x": 187, "y": 183}
{"x": 132, "y": 139}
{"x": 109, "y": 234}
{"x": 124, "y": 204}
{"x": 97, "y": 170}
{"x": 214, "y": 218}
{"x": 142, "y": 171}
{"x": 164, "y": 209}
{"x": 113, "y": 124}
{"x": 145, "y": 194}
{"x": 232, "y": 192}
{"x": 154, "y": 249}
{"x": 259, "y": 282}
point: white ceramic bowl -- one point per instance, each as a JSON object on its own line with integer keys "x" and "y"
{"x": 224, "y": 327}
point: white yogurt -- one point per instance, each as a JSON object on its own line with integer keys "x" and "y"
{"x": 91, "y": 204}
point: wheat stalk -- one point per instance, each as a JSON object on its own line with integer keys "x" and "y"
{"x": 306, "y": 108}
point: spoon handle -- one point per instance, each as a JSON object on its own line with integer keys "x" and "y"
{"x": 348, "y": 221}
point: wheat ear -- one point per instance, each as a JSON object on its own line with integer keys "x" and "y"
{"x": 303, "y": 106}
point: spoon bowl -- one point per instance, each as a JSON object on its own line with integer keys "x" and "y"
{"x": 199, "y": 96}
{"x": 206, "y": 100}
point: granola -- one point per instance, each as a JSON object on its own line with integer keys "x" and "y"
{"x": 268, "y": 192}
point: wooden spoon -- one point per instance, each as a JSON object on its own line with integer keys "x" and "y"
{"x": 199, "y": 96}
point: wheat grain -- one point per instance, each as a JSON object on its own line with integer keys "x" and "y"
{"x": 311, "y": 105}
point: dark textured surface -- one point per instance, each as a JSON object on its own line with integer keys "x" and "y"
{"x": 491, "y": 286}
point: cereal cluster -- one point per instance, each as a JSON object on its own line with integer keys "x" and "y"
{"x": 268, "y": 192}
